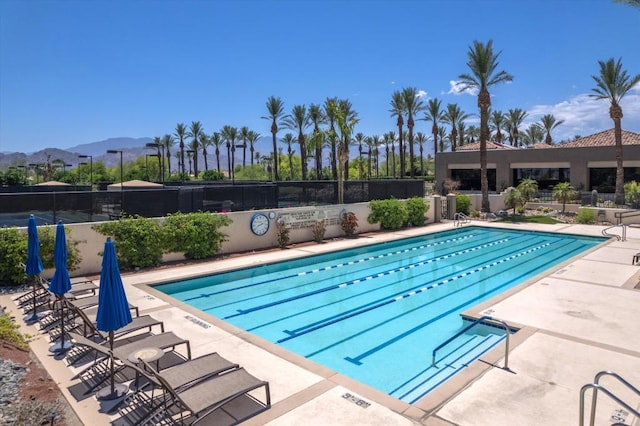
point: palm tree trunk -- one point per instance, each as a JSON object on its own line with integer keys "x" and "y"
{"x": 411, "y": 153}
{"x": 274, "y": 130}
{"x": 619, "y": 162}
{"x": 484, "y": 102}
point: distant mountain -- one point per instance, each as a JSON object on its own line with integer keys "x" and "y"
{"x": 101, "y": 147}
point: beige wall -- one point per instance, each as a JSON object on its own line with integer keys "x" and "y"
{"x": 240, "y": 238}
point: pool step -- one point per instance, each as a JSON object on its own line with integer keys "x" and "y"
{"x": 461, "y": 352}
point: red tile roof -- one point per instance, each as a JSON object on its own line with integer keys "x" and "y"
{"x": 605, "y": 138}
{"x": 540, "y": 146}
{"x": 490, "y": 145}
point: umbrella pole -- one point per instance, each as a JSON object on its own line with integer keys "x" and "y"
{"x": 61, "y": 346}
{"x": 34, "y": 314}
{"x": 114, "y": 390}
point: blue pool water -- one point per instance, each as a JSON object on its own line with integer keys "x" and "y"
{"x": 376, "y": 313}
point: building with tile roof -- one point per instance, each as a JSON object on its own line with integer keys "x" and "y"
{"x": 588, "y": 163}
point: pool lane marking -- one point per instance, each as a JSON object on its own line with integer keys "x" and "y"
{"x": 329, "y": 267}
{"x": 304, "y": 330}
{"x": 352, "y": 282}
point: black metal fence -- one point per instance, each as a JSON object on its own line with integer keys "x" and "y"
{"x": 51, "y": 206}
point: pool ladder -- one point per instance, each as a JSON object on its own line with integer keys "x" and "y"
{"x": 485, "y": 318}
{"x": 622, "y": 237}
{"x": 460, "y": 219}
{"x": 594, "y": 399}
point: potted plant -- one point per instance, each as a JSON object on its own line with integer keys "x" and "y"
{"x": 349, "y": 224}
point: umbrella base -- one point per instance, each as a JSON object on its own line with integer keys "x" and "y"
{"x": 36, "y": 316}
{"x": 119, "y": 390}
{"x": 61, "y": 347}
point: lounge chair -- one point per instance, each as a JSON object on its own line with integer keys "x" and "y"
{"x": 79, "y": 286}
{"x": 206, "y": 396}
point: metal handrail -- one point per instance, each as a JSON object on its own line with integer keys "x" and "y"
{"x": 595, "y": 385}
{"x": 618, "y": 237}
{"x": 459, "y": 219}
{"x": 464, "y": 330}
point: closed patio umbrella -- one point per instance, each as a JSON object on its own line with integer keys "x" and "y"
{"x": 113, "y": 311}
{"x": 34, "y": 264}
{"x": 60, "y": 283}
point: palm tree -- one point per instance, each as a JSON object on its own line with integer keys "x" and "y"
{"x": 317, "y": 118}
{"x": 413, "y": 105}
{"x": 563, "y": 192}
{"x": 397, "y": 109}
{"x": 299, "y": 120}
{"x": 443, "y": 138}
{"x": 229, "y": 134}
{"x": 244, "y": 136}
{"x": 497, "y": 120}
{"x": 288, "y": 139}
{"x": 205, "y": 142}
{"x": 387, "y": 140}
{"x": 217, "y": 141}
{"x": 454, "y": 116}
{"x": 612, "y": 84}
{"x": 533, "y": 135}
{"x": 372, "y": 146}
{"x": 513, "y": 199}
{"x": 329, "y": 111}
{"x": 275, "y": 107}
{"x": 527, "y": 187}
{"x": 349, "y": 119}
{"x": 253, "y": 139}
{"x": 473, "y": 133}
{"x": 515, "y": 117}
{"x": 168, "y": 142}
{"x": 462, "y": 133}
{"x": 548, "y": 123}
{"x": 359, "y": 139}
{"x": 194, "y": 132}
{"x": 158, "y": 144}
{"x": 482, "y": 63}
{"x": 421, "y": 139}
{"x": 181, "y": 133}
{"x": 434, "y": 114}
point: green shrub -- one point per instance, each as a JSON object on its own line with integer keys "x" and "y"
{"x": 586, "y": 216}
{"x": 283, "y": 233}
{"x": 463, "y": 203}
{"x": 416, "y": 208}
{"x": 475, "y": 214}
{"x": 197, "y": 235}
{"x": 13, "y": 252}
{"x": 47, "y": 238}
{"x": 391, "y": 214}
{"x": 632, "y": 193}
{"x": 209, "y": 175}
{"x": 138, "y": 240}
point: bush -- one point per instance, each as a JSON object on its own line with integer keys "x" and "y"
{"x": 475, "y": 214}
{"x": 632, "y": 193}
{"x": 283, "y": 233}
{"x": 349, "y": 224}
{"x": 13, "y": 252}
{"x": 319, "y": 230}
{"x": 197, "y": 235}
{"x": 586, "y": 216}
{"x": 463, "y": 203}
{"x": 391, "y": 214}
{"x": 210, "y": 175}
{"x": 416, "y": 208}
{"x": 139, "y": 240}
{"x": 47, "y": 238}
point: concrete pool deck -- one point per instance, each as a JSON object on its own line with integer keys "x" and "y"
{"x": 577, "y": 319}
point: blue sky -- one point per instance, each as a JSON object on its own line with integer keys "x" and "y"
{"x": 76, "y": 71}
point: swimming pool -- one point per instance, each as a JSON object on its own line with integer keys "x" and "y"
{"x": 375, "y": 313}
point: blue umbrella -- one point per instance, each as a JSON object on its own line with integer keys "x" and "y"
{"x": 34, "y": 264}
{"x": 60, "y": 283}
{"x": 113, "y": 310}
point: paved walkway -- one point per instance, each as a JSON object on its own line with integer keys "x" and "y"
{"x": 577, "y": 319}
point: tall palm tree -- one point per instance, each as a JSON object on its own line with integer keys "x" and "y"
{"x": 359, "y": 139}
{"x": 158, "y": 144}
{"x": 229, "y": 134}
{"x": 497, "y": 120}
{"x": 289, "y": 139}
{"x": 253, "y": 139}
{"x": 413, "y": 105}
{"x": 533, "y": 135}
{"x": 443, "y": 138}
{"x": 482, "y": 63}
{"x": 462, "y": 133}
{"x": 421, "y": 139}
{"x": 317, "y": 118}
{"x": 299, "y": 120}
{"x": 397, "y": 109}
{"x": 217, "y": 141}
{"x": 372, "y": 146}
{"x": 181, "y": 133}
{"x": 612, "y": 84}
{"x": 515, "y": 117}
{"x": 275, "y": 107}
{"x": 548, "y": 123}
{"x": 244, "y": 136}
{"x": 194, "y": 132}
{"x": 168, "y": 142}
{"x": 434, "y": 114}
{"x": 473, "y": 133}
{"x": 205, "y": 142}
{"x": 348, "y": 120}
{"x": 390, "y": 139}
{"x": 453, "y": 116}
{"x": 330, "y": 104}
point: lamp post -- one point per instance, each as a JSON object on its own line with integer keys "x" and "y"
{"x": 159, "y": 147}
{"x": 90, "y": 157}
{"x": 116, "y": 151}
{"x": 146, "y": 163}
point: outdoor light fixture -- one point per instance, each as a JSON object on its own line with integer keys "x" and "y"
{"x": 90, "y": 157}
{"x": 159, "y": 146}
{"x": 116, "y": 151}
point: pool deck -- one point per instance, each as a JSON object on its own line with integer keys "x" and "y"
{"x": 575, "y": 320}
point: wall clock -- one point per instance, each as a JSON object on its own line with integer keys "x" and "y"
{"x": 259, "y": 224}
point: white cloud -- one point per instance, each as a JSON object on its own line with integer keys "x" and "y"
{"x": 584, "y": 115}
{"x": 393, "y": 82}
{"x": 457, "y": 89}
{"x": 421, "y": 94}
